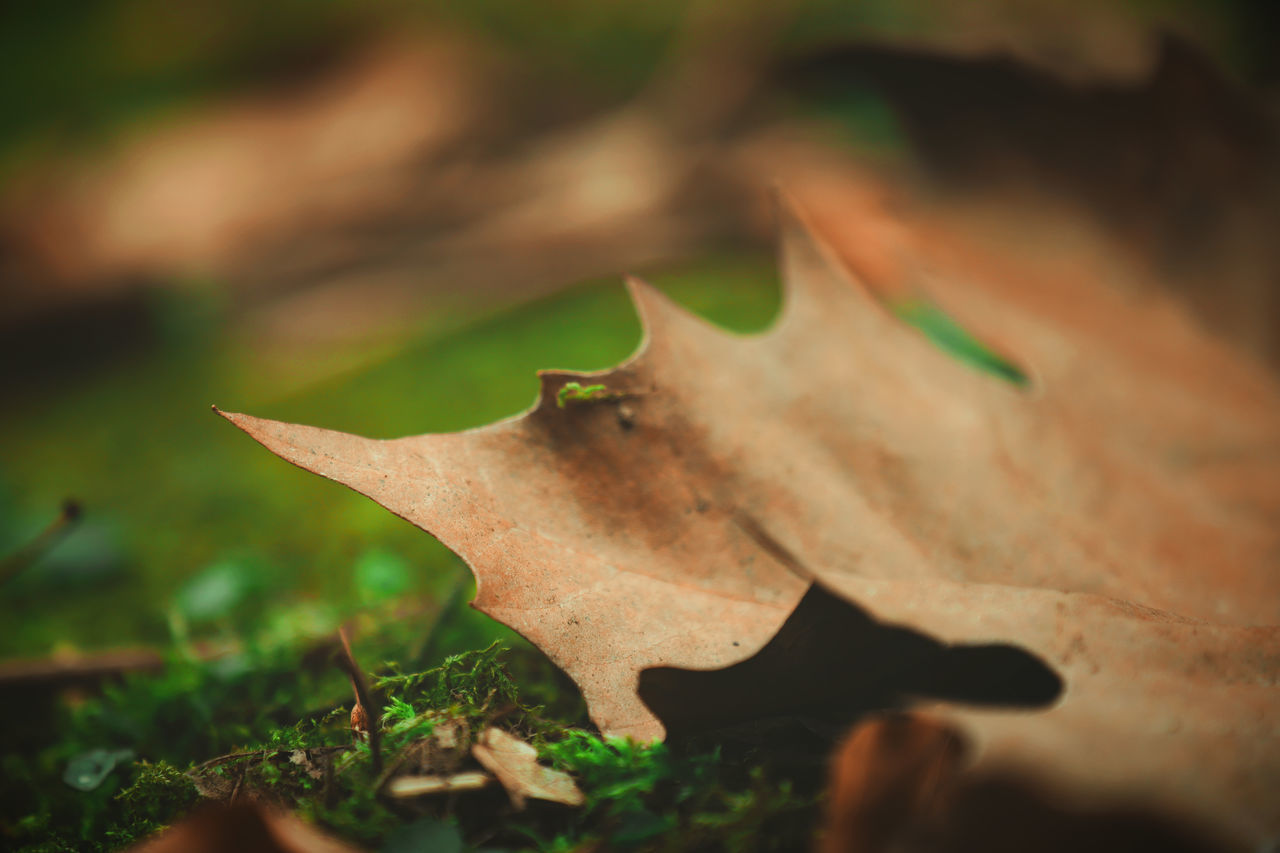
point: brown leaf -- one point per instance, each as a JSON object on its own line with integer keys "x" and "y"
{"x": 841, "y": 447}
{"x": 245, "y": 828}
{"x": 887, "y": 772}
{"x": 897, "y": 783}
{"x": 515, "y": 763}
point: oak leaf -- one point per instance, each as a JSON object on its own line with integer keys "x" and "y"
{"x": 721, "y": 482}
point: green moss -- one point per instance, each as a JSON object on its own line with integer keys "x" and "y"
{"x": 651, "y": 796}
{"x": 616, "y": 773}
{"x": 135, "y": 802}
{"x": 403, "y": 724}
{"x": 160, "y": 792}
{"x": 639, "y": 796}
{"x": 470, "y": 683}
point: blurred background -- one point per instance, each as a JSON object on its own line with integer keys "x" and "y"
{"x": 383, "y": 217}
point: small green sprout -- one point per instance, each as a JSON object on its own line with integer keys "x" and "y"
{"x": 573, "y": 392}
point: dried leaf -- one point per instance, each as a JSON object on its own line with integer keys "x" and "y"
{"x": 247, "y": 828}
{"x": 515, "y": 763}
{"x": 887, "y": 773}
{"x": 897, "y": 783}
{"x": 1092, "y": 524}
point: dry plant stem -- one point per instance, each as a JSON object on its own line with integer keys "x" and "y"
{"x": 363, "y": 698}
{"x": 426, "y": 648}
{"x": 260, "y": 754}
{"x": 24, "y": 557}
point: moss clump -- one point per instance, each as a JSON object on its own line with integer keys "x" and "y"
{"x": 474, "y": 680}
{"x": 639, "y": 796}
{"x": 134, "y": 802}
{"x": 160, "y": 793}
{"x": 652, "y": 797}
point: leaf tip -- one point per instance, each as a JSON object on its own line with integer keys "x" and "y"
{"x": 234, "y": 417}
{"x": 657, "y": 311}
{"x": 265, "y": 432}
{"x": 639, "y": 290}
{"x": 815, "y": 277}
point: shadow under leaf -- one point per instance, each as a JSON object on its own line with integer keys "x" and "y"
{"x": 832, "y": 661}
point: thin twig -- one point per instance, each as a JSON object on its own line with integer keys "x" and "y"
{"x": 263, "y": 753}
{"x": 27, "y": 555}
{"x": 235, "y": 789}
{"x": 427, "y": 649}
